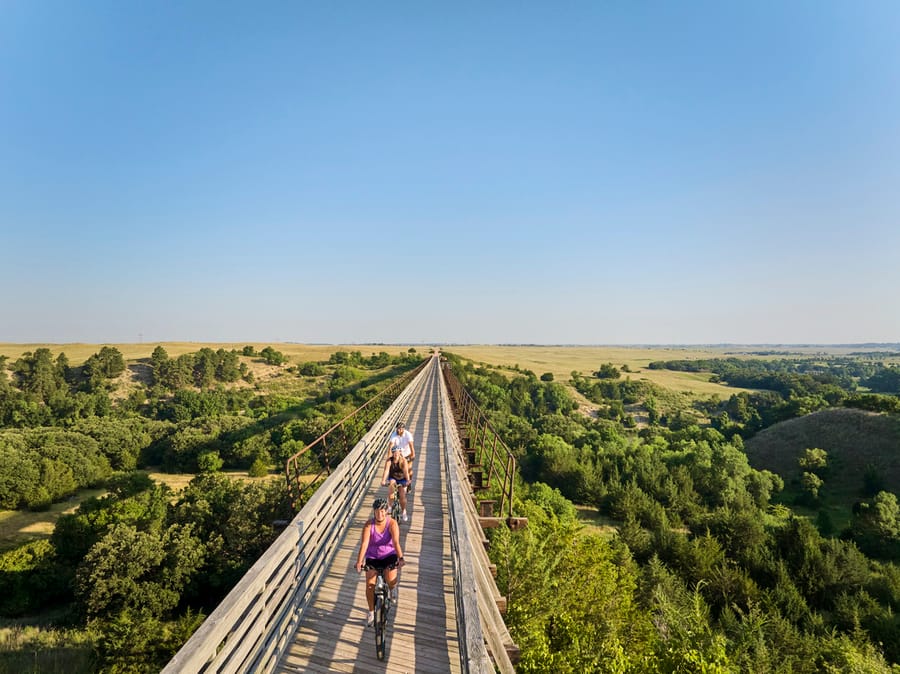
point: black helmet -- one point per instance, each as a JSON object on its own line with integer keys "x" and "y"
{"x": 380, "y": 504}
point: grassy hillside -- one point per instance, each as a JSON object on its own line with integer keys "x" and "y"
{"x": 854, "y": 439}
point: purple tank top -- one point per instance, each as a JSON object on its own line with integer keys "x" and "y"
{"x": 380, "y": 545}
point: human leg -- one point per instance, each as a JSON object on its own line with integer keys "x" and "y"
{"x": 371, "y": 575}
{"x": 392, "y": 485}
{"x": 390, "y": 575}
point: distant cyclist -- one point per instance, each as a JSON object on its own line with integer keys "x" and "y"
{"x": 403, "y": 440}
{"x": 396, "y": 474}
{"x": 380, "y": 549}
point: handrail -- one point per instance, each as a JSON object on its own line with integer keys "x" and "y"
{"x": 342, "y": 436}
{"x": 488, "y": 445}
{"x": 477, "y": 611}
{"x": 254, "y": 624}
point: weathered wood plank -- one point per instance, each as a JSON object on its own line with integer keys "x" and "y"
{"x": 422, "y": 631}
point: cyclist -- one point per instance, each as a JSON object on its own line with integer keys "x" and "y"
{"x": 380, "y": 548}
{"x": 403, "y": 439}
{"x": 396, "y": 473}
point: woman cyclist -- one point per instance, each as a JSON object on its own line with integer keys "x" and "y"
{"x": 379, "y": 549}
{"x": 403, "y": 439}
{"x": 396, "y": 472}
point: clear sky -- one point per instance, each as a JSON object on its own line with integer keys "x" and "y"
{"x": 545, "y": 172}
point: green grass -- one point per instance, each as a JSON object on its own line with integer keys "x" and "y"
{"x": 21, "y": 526}
{"x": 29, "y": 648}
{"x": 596, "y": 523}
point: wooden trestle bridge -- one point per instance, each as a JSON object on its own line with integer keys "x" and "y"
{"x": 302, "y": 606}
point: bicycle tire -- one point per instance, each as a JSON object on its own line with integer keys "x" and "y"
{"x": 395, "y": 510}
{"x": 379, "y": 626}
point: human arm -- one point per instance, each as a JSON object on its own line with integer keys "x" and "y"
{"x": 412, "y": 447}
{"x": 406, "y": 472}
{"x": 363, "y": 546}
{"x": 387, "y": 469}
{"x": 395, "y": 539}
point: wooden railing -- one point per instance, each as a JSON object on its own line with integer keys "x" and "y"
{"x": 491, "y": 464}
{"x": 483, "y": 635}
{"x": 255, "y": 623}
{"x": 306, "y": 469}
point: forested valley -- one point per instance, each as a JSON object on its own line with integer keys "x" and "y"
{"x": 125, "y": 579}
{"x": 702, "y": 551}
{"x": 667, "y": 531}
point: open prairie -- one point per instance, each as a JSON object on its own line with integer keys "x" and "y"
{"x": 563, "y": 360}
{"x": 560, "y": 360}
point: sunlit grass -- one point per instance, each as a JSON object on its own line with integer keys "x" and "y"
{"x": 596, "y": 523}
{"x": 561, "y": 361}
{"x": 20, "y": 526}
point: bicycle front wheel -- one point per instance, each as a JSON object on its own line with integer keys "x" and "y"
{"x": 380, "y": 619}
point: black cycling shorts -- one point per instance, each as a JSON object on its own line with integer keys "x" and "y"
{"x": 383, "y": 563}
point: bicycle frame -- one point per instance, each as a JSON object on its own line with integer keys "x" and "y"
{"x": 395, "y": 508}
{"x": 394, "y": 498}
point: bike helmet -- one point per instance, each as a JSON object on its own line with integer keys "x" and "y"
{"x": 380, "y": 504}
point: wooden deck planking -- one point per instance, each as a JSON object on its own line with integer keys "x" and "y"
{"x": 422, "y": 631}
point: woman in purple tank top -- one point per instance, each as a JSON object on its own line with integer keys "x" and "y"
{"x": 379, "y": 548}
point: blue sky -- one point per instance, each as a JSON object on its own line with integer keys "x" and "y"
{"x": 578, "y": 172}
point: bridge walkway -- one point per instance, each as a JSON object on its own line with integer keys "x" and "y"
{"x": 423, "y": 634}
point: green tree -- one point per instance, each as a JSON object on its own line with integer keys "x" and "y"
{"x": 209, "y": 462}
{"x": 39, "y": 377}
{"x": 235, "y": 520}
{"x": 570, "y": 597}
{"x": 811, "y": 484}
{"x": 258, "y": 468}
{"x": 608, "y": 371}
{"x": 814, "y": 460}
{"x": 876, "y": 525}
{"x": 108, "y": 363}
{"x": 273, "y": 357}
{"x": 144, "y": 571}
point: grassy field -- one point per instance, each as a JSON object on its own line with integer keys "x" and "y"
{"x": 561, "y": 361}
{"x": 22, "y": 526}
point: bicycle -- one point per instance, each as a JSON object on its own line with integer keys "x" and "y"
{"x": 395, "y": 509}
{"x": 383, "y": 604}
